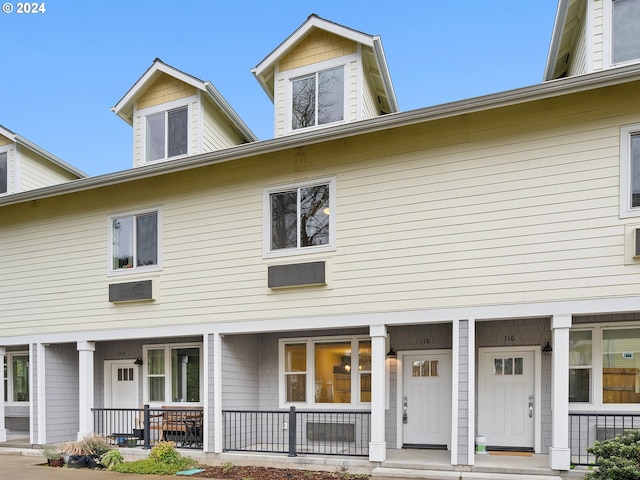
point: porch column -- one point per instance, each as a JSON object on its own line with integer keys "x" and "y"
{"x": 378, "y": 445}
{"x": 559, "y": 453}
{"x": 3, "y": 430}
{"x": 216, "y": 358}
{"x": 85, "y": 380}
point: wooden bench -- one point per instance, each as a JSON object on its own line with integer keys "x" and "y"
{"x": 182, "y": 424}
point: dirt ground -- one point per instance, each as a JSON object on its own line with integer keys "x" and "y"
{"x": 237, "y": 472}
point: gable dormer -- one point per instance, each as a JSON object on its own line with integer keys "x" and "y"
{"x": 25, "y": 166}
{"x": 175, "y": 115}
{"x": 593, "y": 35}
{"x": 326, "y": 74}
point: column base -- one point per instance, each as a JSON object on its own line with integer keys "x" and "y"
{"x": 377, "y": 451}
{"x": 559, "y": 458}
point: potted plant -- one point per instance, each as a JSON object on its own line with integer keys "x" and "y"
{"x": 53, "y": 456}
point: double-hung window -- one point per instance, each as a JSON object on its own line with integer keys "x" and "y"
{"x": 167, "y": 134}
{"x": 16, "y": 377}
{"x": 4, "y": 173}
{"x": 300, "y": 217}
{"x": 135, "y": 241}
{"x": 173, "y": 373}
{"x": 326, "y": 371}
{"x": 604, "y": 366}
{"x": 630, "y": 171}
{"x": 318, "y": 98}
{"x": 625, "y": 25}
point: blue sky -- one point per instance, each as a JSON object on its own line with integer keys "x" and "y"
{"x": 65, "y": 68}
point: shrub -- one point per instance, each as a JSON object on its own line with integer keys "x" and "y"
{"x": 111, "y": 459}
{"x": 91, "y": 445}
{"x": 51, "y": 452}
{"x": 618, "y": 458}
{"x": 165, "y": 452}
{"x": 164, "y": 459}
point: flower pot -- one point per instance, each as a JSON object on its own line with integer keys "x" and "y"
{"x": 55, "y": 462}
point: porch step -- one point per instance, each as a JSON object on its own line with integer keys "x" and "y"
{"x": 406, "y": 473}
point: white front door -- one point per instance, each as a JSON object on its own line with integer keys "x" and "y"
{"x": 426, "y": 399}
{"x": 507, "y": 397}
{"x": 120, "y": 391}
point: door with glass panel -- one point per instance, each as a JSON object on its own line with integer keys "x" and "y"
{"x": 426, "y": 400}
{"x": 506, "y": 403}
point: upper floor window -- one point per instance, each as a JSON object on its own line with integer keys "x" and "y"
{"x": 135, "y": 240}
{"x": 317, "y": 99}
{"x": 630, "y": 171}
{"x": 4, "y": 174}
{"x": 166, "y": 134}
{"x": 301, "y": 217}
{"x": 16, "y": 377}
{"x": 625, "y": 25}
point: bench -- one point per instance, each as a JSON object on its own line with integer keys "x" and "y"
{"x": 182, "y": 424}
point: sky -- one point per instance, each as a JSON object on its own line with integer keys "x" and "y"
{"x": 64, "y": 68}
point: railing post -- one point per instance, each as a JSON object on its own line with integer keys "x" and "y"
{"x": 147, "y": 427}
{"x": 292, "y": 432}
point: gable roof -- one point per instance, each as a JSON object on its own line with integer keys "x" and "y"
{"x": 566, "y": 28}
{"x": 264, "y": 71}
{"x": 124, "y": 107}
{"x": 23, "y": 142}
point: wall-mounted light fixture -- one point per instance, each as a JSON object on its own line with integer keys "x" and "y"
{"x": 138, "y": 361}
{"x": 391, "y": 353}
{"x": 547, "y": 348}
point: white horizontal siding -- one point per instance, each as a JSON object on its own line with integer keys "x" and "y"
{"x": 37, "y": 172}
{"x": 517, "y": 205}
{"x": 217, "y": 133}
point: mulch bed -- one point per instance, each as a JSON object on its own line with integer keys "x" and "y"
{"x": 238, "y": 472}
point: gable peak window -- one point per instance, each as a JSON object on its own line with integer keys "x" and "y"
{"x": 317, "y": 99}
{"x": 135, "y": 241}
{"x": 625, "y": 25}
{"x": 166, "y": 134}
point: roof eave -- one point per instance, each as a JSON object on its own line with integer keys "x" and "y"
{"x": 541, "y": 91}
{"x": 556, "y": 39}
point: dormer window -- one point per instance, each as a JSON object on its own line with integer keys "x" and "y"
{"x": 317, "y": 99}
{"x": 167, "y": 134}
{"x": 625, "y": 38}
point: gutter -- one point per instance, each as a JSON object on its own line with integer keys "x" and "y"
{"x": 542, "y": 91}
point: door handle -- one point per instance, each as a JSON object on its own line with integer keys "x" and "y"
{"x": 530, "y": 406}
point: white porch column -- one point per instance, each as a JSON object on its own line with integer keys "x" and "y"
{"x": 86, "y": 384}
{"x": 3, "y": 430}
{"x": 217, "y": 392}
{"x": 559, "y": 453}
{"x": 378, "y": 445}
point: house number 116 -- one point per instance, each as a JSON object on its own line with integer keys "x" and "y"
{"x": 509, "y": 338}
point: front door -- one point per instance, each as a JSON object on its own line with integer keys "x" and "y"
{"x": 120, "y": 392}
{"x": 506, "y": 403}
{"x": 426, "y": 400}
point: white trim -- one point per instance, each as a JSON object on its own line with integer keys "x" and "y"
{"x": 217, "y": 393}
{"x": 289, "y": 76}
{"x": 206, "y": 403}
{"x": 266, "y": 219}
{"x": 626, "y": 211}
{"x": 455, "y": 372}
{"x": 10, "y": 178}
{"x": 134, "y": 270}
{"x": 471, "y": 413}
{"x": 607, "y": 41}
{"x": 42, "y": 403}
{"x": 167, "y": 347}
{"x": 537, "y": 386}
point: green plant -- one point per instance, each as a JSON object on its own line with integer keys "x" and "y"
{"x": 165, "y": 452}
{"x": 110, "y": 459}
{"x": 618, "y": 458}
{"x": 164, "y": 459}
{"x": 95, "y": 445}
{"x": 51, "y": 452}
{"x": 227, "y": 467}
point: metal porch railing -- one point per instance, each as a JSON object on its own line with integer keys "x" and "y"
{"x": 587, "y": 428}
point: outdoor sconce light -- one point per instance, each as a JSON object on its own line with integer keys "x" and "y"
{"x": 391, "y": 353}
{"x": 547, "y": 348}
{"x": 138, "y": 361}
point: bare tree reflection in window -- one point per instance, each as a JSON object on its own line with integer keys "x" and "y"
{"x": 318, "y": 99}
{"x": 314, "y": 218}
{"x": 284, "y": 225}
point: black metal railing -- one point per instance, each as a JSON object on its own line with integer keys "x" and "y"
{"x": 144, "y": 427}
{"x": 293, "y": 432}
{"x": 587, "y": 428}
